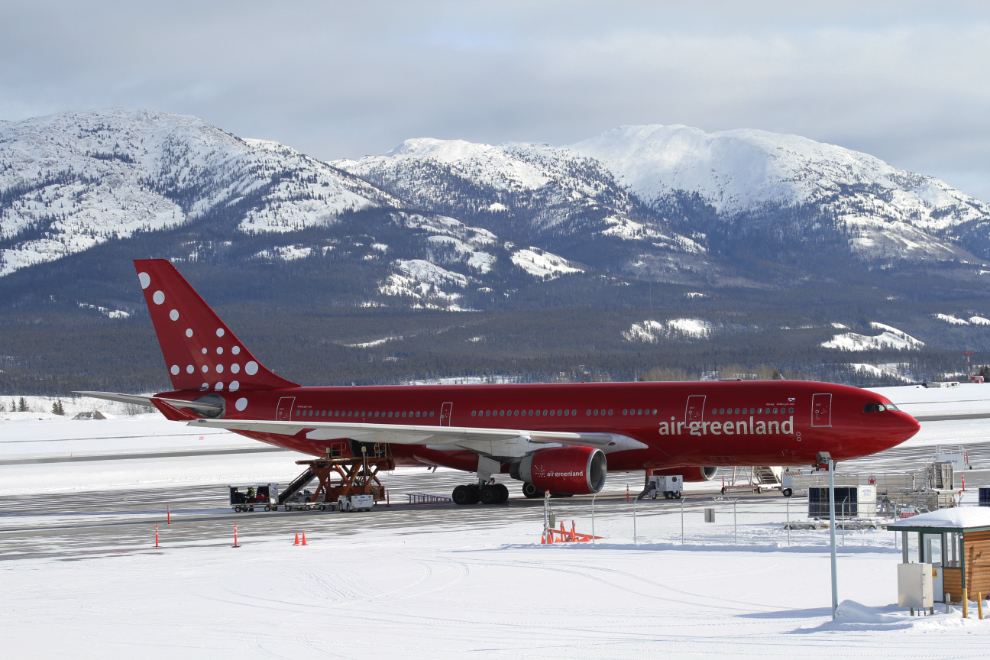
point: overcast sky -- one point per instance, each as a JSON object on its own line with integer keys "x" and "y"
{"x": 907, "y": 82}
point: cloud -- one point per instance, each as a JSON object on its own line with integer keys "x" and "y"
{"x": 906, "y": 82}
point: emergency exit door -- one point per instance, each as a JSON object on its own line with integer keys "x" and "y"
{"x": 821, "y": 410}
{"x": 445, "y": 411}
{"x": 284, "y": 411}
{"x": 695, "y": 411}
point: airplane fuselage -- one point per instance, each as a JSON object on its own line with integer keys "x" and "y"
{"x": 679, "y": 424}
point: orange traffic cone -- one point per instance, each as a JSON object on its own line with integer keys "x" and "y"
{"x": 297, "y": 539}
{"x": 304, "y": 538}
{"x": 543, "y": 539}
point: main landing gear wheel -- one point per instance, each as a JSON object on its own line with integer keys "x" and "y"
{"x": 530, "y": 491}
{"x": 469, "y": 494}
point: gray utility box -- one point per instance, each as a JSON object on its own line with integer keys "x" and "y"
{"x": 670, "y": 487}
{"x": 709, "y": 515}
{"x": 850, "y": 502}
{"x": 914, "y": 586}
{"x": 355, "y": 503}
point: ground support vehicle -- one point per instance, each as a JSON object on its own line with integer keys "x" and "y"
{"x": 670, "y": 486}
{"x": 265, "y": 496}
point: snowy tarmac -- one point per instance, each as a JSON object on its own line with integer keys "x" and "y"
{"x": 81, "y": 576}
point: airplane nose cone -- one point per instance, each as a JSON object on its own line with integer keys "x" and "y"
{"x": 911, "y": 426}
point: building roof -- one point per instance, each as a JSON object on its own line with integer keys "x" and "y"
{"x": 954, "y": 518}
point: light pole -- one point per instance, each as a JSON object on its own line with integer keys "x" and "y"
{"x": 822, "y": 458}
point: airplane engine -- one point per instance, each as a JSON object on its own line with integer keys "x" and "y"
{"x": 690, "y": 474}
{"x": 563, "y": 470}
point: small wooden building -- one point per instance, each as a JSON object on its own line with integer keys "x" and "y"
{"x": 961, "y": 539}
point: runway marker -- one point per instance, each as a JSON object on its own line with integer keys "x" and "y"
{"x": 169, "y": 512}
{"x": 235, "y": 537}
{"x": 156, "y": 535}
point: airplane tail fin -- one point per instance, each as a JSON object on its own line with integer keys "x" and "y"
{"x": 199, "y": 349}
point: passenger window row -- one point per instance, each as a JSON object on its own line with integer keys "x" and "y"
{"x": 752, "y": 411}
{"x": 638, "y": 411}
{"x": 524, "y": 413}
{"x": 362, "y": 413}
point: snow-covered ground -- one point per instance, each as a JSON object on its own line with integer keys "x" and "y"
{"x": 472, "y": 584}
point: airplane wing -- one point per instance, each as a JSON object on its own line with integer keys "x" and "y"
{"x": 493, "y": 442}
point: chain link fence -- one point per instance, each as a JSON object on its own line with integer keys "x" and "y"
{"x": 713, "y": 521}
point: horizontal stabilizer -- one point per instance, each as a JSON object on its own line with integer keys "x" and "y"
{"x": 136, "y": 399}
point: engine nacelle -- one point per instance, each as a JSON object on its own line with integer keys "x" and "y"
{"x": 563, "y": 470}
{"x": 690, "y": 474}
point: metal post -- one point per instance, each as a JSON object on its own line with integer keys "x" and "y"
{"x": 593, "y": 518}
{"x": 546, "y": 514}
{"x": 735, "y": 524}
{"x": 844, "y": 522}
{"x": 788, "y": 522}
{"x": 635, "y": 542}
{"x": 831, "y": 515}
{"x": 682, "y": 521}
{"x": 904, "y": 547}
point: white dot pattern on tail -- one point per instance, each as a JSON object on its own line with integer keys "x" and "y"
{"x": 174, "y": 315}
{"x": 159, "y": 297}
{"x": 234, "y": 386}
{"x": 236, "y": 368}
{"x": 235, "y": 350}
{"x": 188, "y": 332}
{"x": 189, "y": 369}
{"x": 219, "y": 350}
{"x": 145, "y": 280}
{"x": 175, "y": 370}
{"x": 219, "y": 368}
{"x": 241, "y": 404}
{"x": 205, "y": 368}
{"x": 251, "y": 368}
{"x": 219, "y": 332}
{"x": 219, "y": 386}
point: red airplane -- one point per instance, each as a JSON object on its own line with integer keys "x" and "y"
{"x": 561, "y": 438}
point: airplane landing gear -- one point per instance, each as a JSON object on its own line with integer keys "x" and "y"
{"x": 467, "y": 494}
{"x": 494, "y": 494}
{"x": 486, "y": 494}
{"x": 531, "y": 491}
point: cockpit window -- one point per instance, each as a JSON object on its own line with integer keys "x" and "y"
{"x": 870, "y": 407}
{"x": 891, "y": 406}
{"x": 880, "y": 407}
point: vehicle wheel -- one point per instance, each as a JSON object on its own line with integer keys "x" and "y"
{"x": 489, "y": 494}
{"x": 530, "y": 491}
{"x": 251, "y": 509}
{"x": 787, "y": 492}
{"x": 267, "y": 508}
{"x": 474, "y": 492}
{"x": 503, "y": 493}
{"x": 666, "y": 494}
{"x": 677, "y": 494}
{"x": 460, "y": 495}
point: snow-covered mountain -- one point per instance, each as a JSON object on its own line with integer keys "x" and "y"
{"x": 75, "y": 180}
{"x": 458, "y": 225}
{"x": 885, "y": 212}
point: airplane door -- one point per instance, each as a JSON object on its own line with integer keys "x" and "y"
{"x": 445, "y": 414}
{"x": 284, "y": 411}
{"x": 821, "y": 410}
{"x": 695, "y": 411}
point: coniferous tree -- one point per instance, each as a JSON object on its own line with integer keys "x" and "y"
{"x": 22, "y": 406}
{"x": 58, "y": 408}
